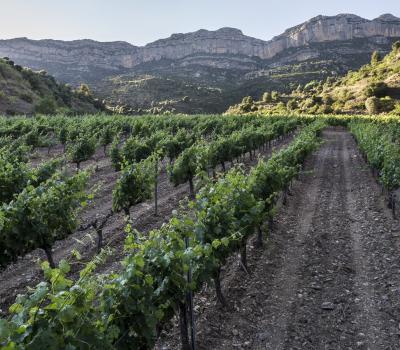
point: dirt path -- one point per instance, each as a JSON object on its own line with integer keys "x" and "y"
{"x": 329, "y": 277}
{"x": 25, "y": 272}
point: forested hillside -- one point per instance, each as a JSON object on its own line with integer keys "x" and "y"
{"x": 23, "y": 91}
{"x": 373, "y": 89}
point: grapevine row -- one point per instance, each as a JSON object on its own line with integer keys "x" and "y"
{"x": 381, "y": 149}
{"x": 20, "y": 232}
{"x": 127, "y": 310}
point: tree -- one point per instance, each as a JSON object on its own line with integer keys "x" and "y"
{"x": 329, "y": 81}
{"x": 247, "y": 104}
{"x": 372, "y": 105}
{"x": 386, "y": 104}
{"x": 311, "y": 85}
{"x": 379, "y": 89}
{"x": 267, "y": 97}
{"x": 47, "y": 105}
{"x": 327, "y": 100}
{"x": 375, "y": 58}
{"x": 247, "y": 100}
{"x": 292, "y": 105}
{"x": 275, "y": 95}
{"x": 84, "y": 90}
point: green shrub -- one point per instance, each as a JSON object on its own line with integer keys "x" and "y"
{"x": 311, "y": 85}
{"x": 47, "y": 105}
{"x": 372, "y": 105}
{"x": 84, "y": 90}
{"x": 275, "y": 95}
{"x": 26, "y": 97}
{"x": 375, "y": 58}
{"x": 337, "y": 106}
{"x": 396, "y": 109}
{"x": 386, "y": 104}
{"x": 327, "y": 100}
{"x": 325, "y": 109}
{"x": 292, "y": 105}
{"x": 379, "y": 89}
{"x": 267, "y": 97}
{"x": 247, "y": 100}
{"x": 351, "y": 105}
{"x": 245, "y": 107}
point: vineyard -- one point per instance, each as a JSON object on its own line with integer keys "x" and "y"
{"x": 146, "y": 232}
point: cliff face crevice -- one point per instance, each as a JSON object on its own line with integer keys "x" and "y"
{"x": 86, "y": 54}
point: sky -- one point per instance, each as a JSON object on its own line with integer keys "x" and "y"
{"x": 142, "y": 21}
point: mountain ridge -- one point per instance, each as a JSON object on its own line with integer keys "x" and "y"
{"x": 224, "y": 64}
{"x": 225, "y": 40}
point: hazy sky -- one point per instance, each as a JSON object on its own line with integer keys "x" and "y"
{"x": 140, "y": 22}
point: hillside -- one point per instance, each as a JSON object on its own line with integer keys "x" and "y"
{"x": 373, "y": 89}
{"x": 210, "y": 70}
{"x": 23, "y": 91}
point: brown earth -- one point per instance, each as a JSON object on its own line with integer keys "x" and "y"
{"x": 329, "y": 276}
{"x": 26, "y": 271}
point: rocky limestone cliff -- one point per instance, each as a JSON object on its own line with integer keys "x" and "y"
{"x": 335, "y": 28}
{"x": 114, "y": 56}
{"x": 105, "y": 55}
{"x": 209, "y": 68}
{"x": 222, "y": 41}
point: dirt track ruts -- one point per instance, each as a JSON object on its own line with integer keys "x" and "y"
{"x": 329, "y": 277}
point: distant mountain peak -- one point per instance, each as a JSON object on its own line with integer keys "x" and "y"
{"x": 347, "y": 16}
{"x": 223, "y": 33}
{"x": 230, "y": 30}
{"x": 387, "y": 17}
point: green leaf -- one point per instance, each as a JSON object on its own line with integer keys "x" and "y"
{"x": 16, "y": 308}
{"x": 216, "y": 243}
{"x": 64, "y": 266}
